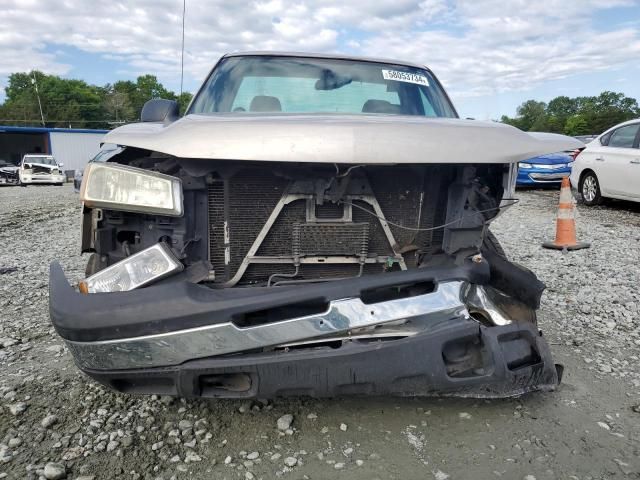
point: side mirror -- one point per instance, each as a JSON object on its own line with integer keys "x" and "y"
{"x": 160, "y": 110}
{"x": 60, "y": 164}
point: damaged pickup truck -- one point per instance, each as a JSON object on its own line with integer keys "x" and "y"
{"x": 313, "y": 226}
{"x": 8, "y": 173}
{"x": 40, "y": 169}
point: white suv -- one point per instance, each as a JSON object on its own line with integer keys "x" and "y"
{"x": 39, "y": 168}
{"x": 610, "y": 166}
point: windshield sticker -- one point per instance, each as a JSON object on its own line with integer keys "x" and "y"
{"x": 405, "y": 77}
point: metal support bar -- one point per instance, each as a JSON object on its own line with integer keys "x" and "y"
{"x": 371, "y": 200}
{"x": 333, "y": 259}
{"x": 286, "y": 199}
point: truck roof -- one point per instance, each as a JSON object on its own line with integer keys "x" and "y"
{"x": 338, "y": 56}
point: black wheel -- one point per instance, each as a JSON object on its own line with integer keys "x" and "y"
{"x": 590, "y": 189}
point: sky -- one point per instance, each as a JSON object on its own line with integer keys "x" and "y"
{"x": 491, "y": 55}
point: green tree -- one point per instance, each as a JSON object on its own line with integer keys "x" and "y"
{"x": 540, "y": 124}
{"x": 559, "y": 110}
{"x": 146, "y": 88}
{"x": 64, "y": 102}
{"x": 609, "y": 109}
{"x": 531, "y": 114}
{"x": 183, "y": 101}
{"x": 75, "y": 103}
{"x": 576, "y": 125}
{"x": 118, "y": 105}
{"x": 586, "y": 115}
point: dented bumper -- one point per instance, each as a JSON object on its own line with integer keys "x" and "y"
{"x": 401, "y": 333}
{"x": 44, "y": 178}
{"x": 515, "y": 360}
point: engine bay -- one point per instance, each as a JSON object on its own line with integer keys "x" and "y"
{"x": 276, "y": 223}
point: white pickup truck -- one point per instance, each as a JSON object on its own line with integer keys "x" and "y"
{"x": 40, "y": 169}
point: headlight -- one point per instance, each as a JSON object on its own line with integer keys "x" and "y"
{"x": 524, "y": 165}
{"x": 119, "y": 187}
{"x": 135, "y": 271}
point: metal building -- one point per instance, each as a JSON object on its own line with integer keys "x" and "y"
{"x": 73, "y": 147}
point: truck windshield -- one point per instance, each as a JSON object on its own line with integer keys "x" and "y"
{"x": 278, "y": 84}
{"x": 40, "y": 160}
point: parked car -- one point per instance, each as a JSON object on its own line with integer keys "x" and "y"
{"x": 8, "y": 173}
{"x": 77, "y": 180}
{"x": 40, "y": 169}
{"x": 314, "y": 225}
{"x": 610, "y": 166}
{"x": 586, "y": 138}
{"x": 545, "y": 169}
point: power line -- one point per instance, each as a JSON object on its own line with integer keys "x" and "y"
{"x": 37, "y": 120}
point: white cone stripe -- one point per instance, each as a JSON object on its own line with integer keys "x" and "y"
{"x": 565, "y": 214}
{"x": 565, "y": 195}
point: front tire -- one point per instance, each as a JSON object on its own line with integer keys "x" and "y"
{"x": 589, "y": 189}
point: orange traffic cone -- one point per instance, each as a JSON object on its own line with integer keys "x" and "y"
{"x": 566, "y": 223}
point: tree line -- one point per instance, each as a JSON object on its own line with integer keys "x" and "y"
{"x": 575, "y": 116}
{"x": 77, "y": 104}
{"x": 71, "y": 103}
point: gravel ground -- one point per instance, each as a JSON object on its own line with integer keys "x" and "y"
{"x": 55, "y": 423}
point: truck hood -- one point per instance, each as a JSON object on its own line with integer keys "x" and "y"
{"x": 357, "y": 139}
{"x": 41, "y": 165}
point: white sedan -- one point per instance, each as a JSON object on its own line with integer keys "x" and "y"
{"x": 610, "y": 166}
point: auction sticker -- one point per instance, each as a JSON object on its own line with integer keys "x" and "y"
{"x": 405, "y": 77}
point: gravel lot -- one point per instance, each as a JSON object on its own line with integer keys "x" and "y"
{"x": 55, "y": 423}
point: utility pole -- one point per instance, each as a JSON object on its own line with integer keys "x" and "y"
{"x": 35, "y": 83}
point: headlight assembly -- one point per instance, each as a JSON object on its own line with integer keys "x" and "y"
{"x": 524, "y": 165}
{"x": 142, "y": 268}
{"x": 120, "y": 187}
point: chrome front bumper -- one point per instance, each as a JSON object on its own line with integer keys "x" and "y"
{"x": 449, "y": 333}
{"x": 346, "y": 316}
{"x": 548, "y": 177}
{"x": 45, "y": 178}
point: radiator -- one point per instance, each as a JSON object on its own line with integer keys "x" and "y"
{"x": 339, "y": 241}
